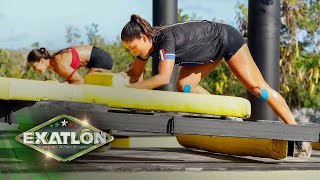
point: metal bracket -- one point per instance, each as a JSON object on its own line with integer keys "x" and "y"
{"x": 7, "y": 117}
{"x": 170, "y": 126}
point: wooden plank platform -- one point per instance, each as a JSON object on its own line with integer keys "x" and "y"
{"x": 152, "y": 159}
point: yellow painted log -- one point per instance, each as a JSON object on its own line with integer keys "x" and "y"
{"x": 316, "y": 146}
{"x": 120, "y": 97}
{"x": 117, "y": 96}
{"x": 237, "y": 146}
{"x": 106, "y": 79}
{"x": 276, "y": 149}
{"x": 95, "y": 80}
{"x": 121, "y": 142}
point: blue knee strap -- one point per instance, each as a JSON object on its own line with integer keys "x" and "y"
{"x": 187, "y": 88}
{"x": 264, "y": 95}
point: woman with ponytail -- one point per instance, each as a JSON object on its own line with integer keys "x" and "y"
{"x": 198, "y": 46}
{"x": 66, "y": 62}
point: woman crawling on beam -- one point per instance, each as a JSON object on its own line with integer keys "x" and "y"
{"x": 66, "y": 61}
{"x": 198, "y": 46}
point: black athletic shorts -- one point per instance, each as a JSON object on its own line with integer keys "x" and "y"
{"x": 235, "y": 41}
{"x": 100, "y": 59}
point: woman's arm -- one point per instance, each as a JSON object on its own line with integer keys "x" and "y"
{"x": 66, "y": 71}
{"x": 165, "y": 71}
{"x": 136, "y": 70}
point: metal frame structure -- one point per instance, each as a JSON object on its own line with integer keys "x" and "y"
{"x": 264, "y": 43}
{"x": 165, "y": 12}
{"x": 105, "y": 118}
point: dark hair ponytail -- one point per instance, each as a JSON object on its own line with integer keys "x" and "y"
{"x": 138, "y": 25}
{"x": 37, "y": 54}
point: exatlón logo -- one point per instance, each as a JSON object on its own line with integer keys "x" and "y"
{"x": 64, "y": 138}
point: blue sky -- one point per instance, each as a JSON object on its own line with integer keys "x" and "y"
{"x": 23, "y": 22}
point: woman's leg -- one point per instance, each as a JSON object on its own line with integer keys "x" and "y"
{"x": 245, "y": 69}
{"x": 192, "y": 75}
{"x": 243, "y": 66}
